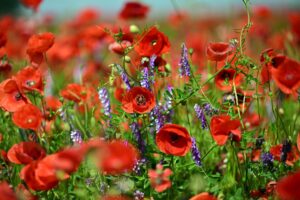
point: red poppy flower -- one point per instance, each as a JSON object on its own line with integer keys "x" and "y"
{"x": 2, "y": 38}
{"x": 255, "y": 155}
{"x": 138, "y": 61}
{"x": 262, "y": 12}
{"x": 29, "y": 79}
{"x": 39, "y": 175}
{"x": 46, "y": 173}
{"x": 25, "y": 152}
{"x": 173, "y": 139}
{"x": 134, "y": 10}
{"x": 52, "y": 103}
{"x": 252, "y": 119}
{"x": 203, "y": 196}
{"x": 288, "y": 188}
{"x": 152, "y": 42}
{"x": 37, "y": 45}
{"x": 86, "y": 16}
{"x": 5, "y": 67}
{"x": 3, "y": 155}
{"x": 28, "y": 117}
{"x": 6, "y": 192}
{"x": 75, "y": 92}
{"x": 64, "y": 49}
{"x": 138, "y": 100}
{"x": 159, "y": 178}
{"x": 294, "y": 19}
{"x": 177, "y": 18}
{"x": 222, "y": 127}
{"x": 118, "y": 157}
{"x": 66, "y": 160}
{"x": 92, "y": 36}
{"x": 292, "y": 156}
{"x": 218, "y": 51}
{"x": 11, "y": 98}
{"x": 119, "y": 48}
{"x": 287, "y": 75}
{"x": 226, "y": 78}
{"x": 34, "y": 4}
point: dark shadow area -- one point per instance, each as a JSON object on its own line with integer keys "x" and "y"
{"x": 9, "y": 7}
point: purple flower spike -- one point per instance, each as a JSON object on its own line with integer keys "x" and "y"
{"x": 201, "y": 116}
{"x": 138, "y": 136}
{"x": 76, "y": 137}
{"x": 145, "y": 78}
{"x": 185, "y": 68}
{"x": 103, "y": 96}
{"x": 196, "y": 153}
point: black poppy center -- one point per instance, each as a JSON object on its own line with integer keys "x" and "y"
{"x": 18, "y": 96}
{"x": 140, "y": 100}
{"x": 226, "y": 75}
{"x": 174, "y": 138}
{"x": 30, "y": 83}
{"x": 154, "y": 42}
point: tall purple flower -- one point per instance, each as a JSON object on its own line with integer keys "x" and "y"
{"x": 138, "y": 165}
{"x": 157, "y": 117}
{"x": 103, "y": 96}
{"x": 185, "y": 68}
{"x": 169, "y": 112}
{"x": 201, "y": 116}
{"x": 124, "y": 76}
{"x": 138, "y": 136}
{"x": 267, "y": 159}
{"x": 76, "y": 137}
{"x": 168, "y": 104}
{"x": 145, "y": 78}
{"x": 152, "y": 66}
{"x": 209, "y": 110}
{"x": 196, "y": 153}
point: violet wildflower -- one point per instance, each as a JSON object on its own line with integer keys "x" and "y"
{"x": 209, "y": 110}
{"x": 103, "y": 187}
{"x": 157, "y": 117}
{"x": 168, "y": 105}
{"x": 152, "y": 66}
{"x": 138, "y": 165}
{"x": 168, "y": 99}
{"x": 267, "y": 159}
{"x": 185, "y": 68}
{"x": 138, "y": 136}
{"x": 103, "y": 96}
{"x": 145, "y": 78}
{"x": 196, "y": 153}
{"x": 201, "y": 116}
{"x": 76, "y": 136}
{"x": 89, "y": 181}
{"x": 124, "y": 77}
{"x": 63, "y": 115}
{"x": 138, "y": 195}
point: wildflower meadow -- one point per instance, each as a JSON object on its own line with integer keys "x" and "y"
{"x": 177, "y": 108}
